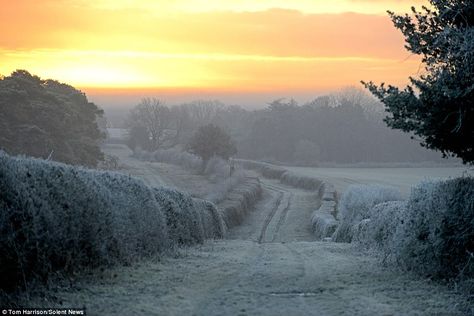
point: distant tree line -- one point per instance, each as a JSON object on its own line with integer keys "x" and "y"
{"x": 346, "y": 127}
{"x": 49, "y": 119}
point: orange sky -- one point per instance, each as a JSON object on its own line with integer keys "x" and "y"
{"x": 240, "y": 45}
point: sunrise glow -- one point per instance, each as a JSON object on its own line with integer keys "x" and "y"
{"x": 223, "y": 45}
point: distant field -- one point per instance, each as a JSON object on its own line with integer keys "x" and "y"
{"x": 403, "y": 178}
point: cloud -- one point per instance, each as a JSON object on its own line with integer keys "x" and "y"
{"x": 272, "y": 32}
{"x": 105, "y": 44}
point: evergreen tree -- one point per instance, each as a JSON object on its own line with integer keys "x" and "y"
{"x": 439, "y": 105}
{"x": 48, "y": 119}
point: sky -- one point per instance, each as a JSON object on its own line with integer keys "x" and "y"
{"x": 206, "y": 49}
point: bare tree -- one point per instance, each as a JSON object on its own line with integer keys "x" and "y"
{"x": 155, "y": 117}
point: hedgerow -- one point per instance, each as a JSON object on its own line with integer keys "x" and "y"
{"x": 57, "y": 218}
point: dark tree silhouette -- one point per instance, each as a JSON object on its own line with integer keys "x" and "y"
{"x": 211, "y": 140}
{"x": 48, "y": 119}
{"x": 439, "y": 105}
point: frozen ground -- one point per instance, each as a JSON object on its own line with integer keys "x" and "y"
{"x": 402, "y": 178}
{"x": 160, "y": 174}
{"x": 269, "y": 265}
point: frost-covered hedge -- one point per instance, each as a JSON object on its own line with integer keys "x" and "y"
{"x": 299, "y": 181}
{"x": 267, "y": 170}
{"x": 437, "y": 237}
{"x": 59, "y": 218}
{"x": 240, "y": 201}
{"x": 286, "y": 177}
{"x": 377, "y": 231}
{"x": 216, "y": 169}
{"x": 177, "y": 157}
{"x": 323, "y": 220}
{"x": 355, "y": 205}
{"x": 431, "y": 234}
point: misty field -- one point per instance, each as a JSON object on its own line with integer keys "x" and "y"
{"x": 402, "y": 178}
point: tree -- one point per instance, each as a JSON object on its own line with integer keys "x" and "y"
{"x": 439, "y": 105}
{"x": 48, "y": 119}
{"x": 210, "y": 140}
{"x": 153, "y": 116}
{"x": 138, "y": 138}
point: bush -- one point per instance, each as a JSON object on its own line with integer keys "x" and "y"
{"x": 377, "y": 232}
{"x": 431, "y": 234}
{"x": 189, "y": 221}
{"x": 323, "y": 220}
{"x": 437, "y": 236}
{"x": 355, "y": 204}
{"x": 240, "y": 201}
{"x": 58, "y": 218}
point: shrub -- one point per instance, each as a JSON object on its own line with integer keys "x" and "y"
{"x": 240, "y": 201}
{"x": 431, "y": 234}
{"x": 377, "y": 232}
{"x": 355, "y": 204}
{"x": 58, "y": 218}
{"x": 323, "y": 220}
{"x": 437, "y": 236}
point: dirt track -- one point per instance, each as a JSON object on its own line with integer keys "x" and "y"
{"x": 269, "y": 265}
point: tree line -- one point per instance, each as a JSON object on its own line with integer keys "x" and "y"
{"x": 345, "y": 127}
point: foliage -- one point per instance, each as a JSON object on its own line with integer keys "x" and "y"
{"x": 437, "y": 106}
{"x": 138, "y": 137}
{"x": 330, "y": 129}
{"x": 211, "y": 140}
{"x": 437, "y": 236}
{"x": 377, "y": 231}
{"x": 345, "y": 127}
{"x": 355, "y": 205}
{"x": 48, "y": 119}
{"x": 154, "y": 125}
{"x": 431, "y": 234}
{"x": 57, "y": 218}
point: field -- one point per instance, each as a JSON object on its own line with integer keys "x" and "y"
{"x": 402, "y": 178}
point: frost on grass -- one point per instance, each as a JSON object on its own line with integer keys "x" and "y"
{"x": 355, "y": 205}
{"x": 59, "y": 218}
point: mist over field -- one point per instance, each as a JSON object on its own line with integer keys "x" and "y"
{"x": 237, "y": 158}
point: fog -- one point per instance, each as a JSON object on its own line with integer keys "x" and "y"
{"x": 344, "y": 127}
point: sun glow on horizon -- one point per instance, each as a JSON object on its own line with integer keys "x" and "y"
{"x": 233, "y": 45}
